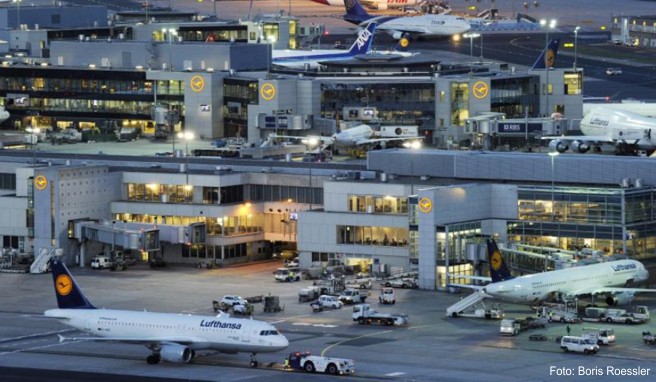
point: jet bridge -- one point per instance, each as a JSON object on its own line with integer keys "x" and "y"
{"x": 144, "y": 237}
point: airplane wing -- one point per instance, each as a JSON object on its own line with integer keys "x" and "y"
{"x": 586, "y": 138}
{"x": 325, "y": 140}
{"x": 141, "y": 340}
{"x": 611, "y": 291}
{"x": 381, "y": 140}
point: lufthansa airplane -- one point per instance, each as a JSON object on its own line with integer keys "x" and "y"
{"x": 612, "y": 279}
{"x": 170, "y": 337}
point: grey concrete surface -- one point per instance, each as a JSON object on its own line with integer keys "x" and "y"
{"x": 433, "y": 347}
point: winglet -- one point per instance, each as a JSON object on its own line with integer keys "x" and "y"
{"x": 365, "y": 38}
{"x": 69, "y": 295}
{"x": 61, "y": 338}
{"x": 548, "y": 56}
{"x": 355, "y": 13}
{"x": 498, "y": 269}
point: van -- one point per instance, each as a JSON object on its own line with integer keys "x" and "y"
{"x": 101, "y": 262}
{"x": 602, "y": 336}
{"x": 287, "y": 274}
{"x": 578, "y": 344}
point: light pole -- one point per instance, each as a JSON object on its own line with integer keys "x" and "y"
{"x": 576, "y": 43}
{"x": 550, "y": 24}
{"x": 18, "y": 27}
{"x": 186, "y": 136}
{"x": 34, "y": 137}
{"x": 471, "y": 36}
{"x": 414, "y": 146}
{"x": 214, "y": 1}
{"x": 312, "y": 143}
{"x": 553, "y": 156}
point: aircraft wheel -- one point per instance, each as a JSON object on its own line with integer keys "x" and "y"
{"x": 153, "y": 359}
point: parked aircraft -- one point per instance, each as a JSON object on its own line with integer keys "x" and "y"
{"x": 170, "y": 337}
{"x": 301, "y": 58}
{"x": 4, "y": 114}
{"x": 611, "y": 279}
{"x": 628, "y": 132}
{"x": 548, "y": 55}
{"x": 428, "y": 25}
{"x": 381, "y": 5}
{"x": 356, "y": 139}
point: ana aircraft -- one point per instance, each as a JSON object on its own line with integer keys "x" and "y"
{"x": 424, "y": 25}
{"x": 170, "y": 337}
{"x": 301, "y": 58}
{"x": 374, "y": 4}
{"x": 627, "y": 131}
{"x": 610, "y": 279}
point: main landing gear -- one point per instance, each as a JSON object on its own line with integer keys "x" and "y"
{"x": 254, "y": 362}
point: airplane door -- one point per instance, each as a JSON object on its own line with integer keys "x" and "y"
{"x": 246, "y": 334}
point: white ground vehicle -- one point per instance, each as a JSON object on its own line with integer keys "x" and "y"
{"x": 313, "y": 363}
{"x": 601, "y": 336}
{"x": 308, "y": 294}
{"x": 287, "y": 274}
{"x": 578, "y": 344}
{"x": 613, "y": 71}
{"x": 101, "y": 262}
{"x": 326, "y": 301}
{"x": 401, "y": 283}
{"x": 387, "y": 296}
{"x": 556, "y": 315}
{"x": 509, "y": 327}
{"x": 232, "y": 300}
{"x": 364, "y": 315}
{"x": 352, "y": 296}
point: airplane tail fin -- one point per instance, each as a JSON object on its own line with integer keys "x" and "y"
{"x": 355, "y": 13}
{"x": 548, "y": 56}
{"x": 498, "y": 269}
{"x": 69, "y": 295}
{"x": 365, "y": 38}
{"x": 404, "y": 42}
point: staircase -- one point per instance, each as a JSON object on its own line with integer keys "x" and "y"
{"x": 42, "y": 262}
{"x": 465, "y": 303}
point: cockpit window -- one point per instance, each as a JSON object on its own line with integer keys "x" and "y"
{"x": 269, "y": 333}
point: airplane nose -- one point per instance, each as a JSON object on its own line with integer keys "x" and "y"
{"x": 283, "y": 342}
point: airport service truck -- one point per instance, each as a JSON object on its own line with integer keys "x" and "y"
{"x": 512, "y": 326}
{"x": 352, "y": 296}
{"x": 364, "y": 315}
{"x": 313, "y": 363}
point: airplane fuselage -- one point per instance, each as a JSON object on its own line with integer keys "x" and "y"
{"x": 221, "y": 333}
{"x": 568, "y": 282}
{"x": 431, "y": 25}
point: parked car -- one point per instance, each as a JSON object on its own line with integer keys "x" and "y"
{"x": 401, "y": 283}
{"x": 232, "y": 300}
{"x": 613, "y": 71}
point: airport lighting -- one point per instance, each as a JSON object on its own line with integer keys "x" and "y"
{"x": 414, "y": 146}
{"x": 471, "y": 36}
{"x": 34, "y": 137}
{"x": 576, "y": 43}
{"x": 171, "y": 32}
{"x": 553, "y": 155}
{"x": 18, "y": 27}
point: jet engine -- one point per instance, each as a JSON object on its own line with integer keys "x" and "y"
{"x": 397, "y": 35}
{"x": 580, "y": 146}
{"x": 558, "y": 145}
{"x": 176, "y": 353}
{"x": 619, "y": 299}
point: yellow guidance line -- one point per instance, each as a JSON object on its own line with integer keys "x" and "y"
{"x": 324, "y": 351}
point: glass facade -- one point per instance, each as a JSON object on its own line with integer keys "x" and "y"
{"x": 237, "y": 95}
{"x": 378, "y": 204}
{"x": 397, "y": 103}
{"x": 216, "y": 226}
{"x": 611, "y": 220}
{"x": 276, "y": 193}
{"x": 366, "y": 235}
{"x": 512, "y": 96}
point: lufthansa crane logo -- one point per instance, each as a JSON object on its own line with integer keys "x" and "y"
{"x": 425, "y": 205}
{"x": 64, "y": 285}
{"x": 268, "y": 91}
{"x": 404, "y": 42}
{"x": 197, "y": 83}
{"x": 40, "y": 182}
{"x": 549, "y": 59}
{"x": 480, "y": 89}
{"x": 496, "y": 260}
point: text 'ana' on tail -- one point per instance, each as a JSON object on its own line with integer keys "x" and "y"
{"x": 69, "y": 295}
{"x": 362, "y": 44}
{"x": 547, "y": 58}
{"x": 498, "y": 269}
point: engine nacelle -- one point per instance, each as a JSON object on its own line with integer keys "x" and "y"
{"x": 581, "y": 147}
{"x": 619, "y": 299}
{"x": 558, "y": 145}
{"x": 397, "y": 35}
{"x": 175, "y": 353}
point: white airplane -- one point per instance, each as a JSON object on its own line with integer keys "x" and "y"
{"x": 381, "y": 5}
{"x": 4, "y": 114}
{"x": 356, "y": 139}
{"x": 170, "y": 337}
{"x": 627, "y": 131}
{"x": 301, "y": 58}
{"x": 610, "y": 279}
{"x": 424, "y": 25}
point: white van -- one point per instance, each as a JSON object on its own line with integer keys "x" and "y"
{"x": 101, "y": 262}
{"x": 578, "y": 344}
{"x": 601, "y": 336}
